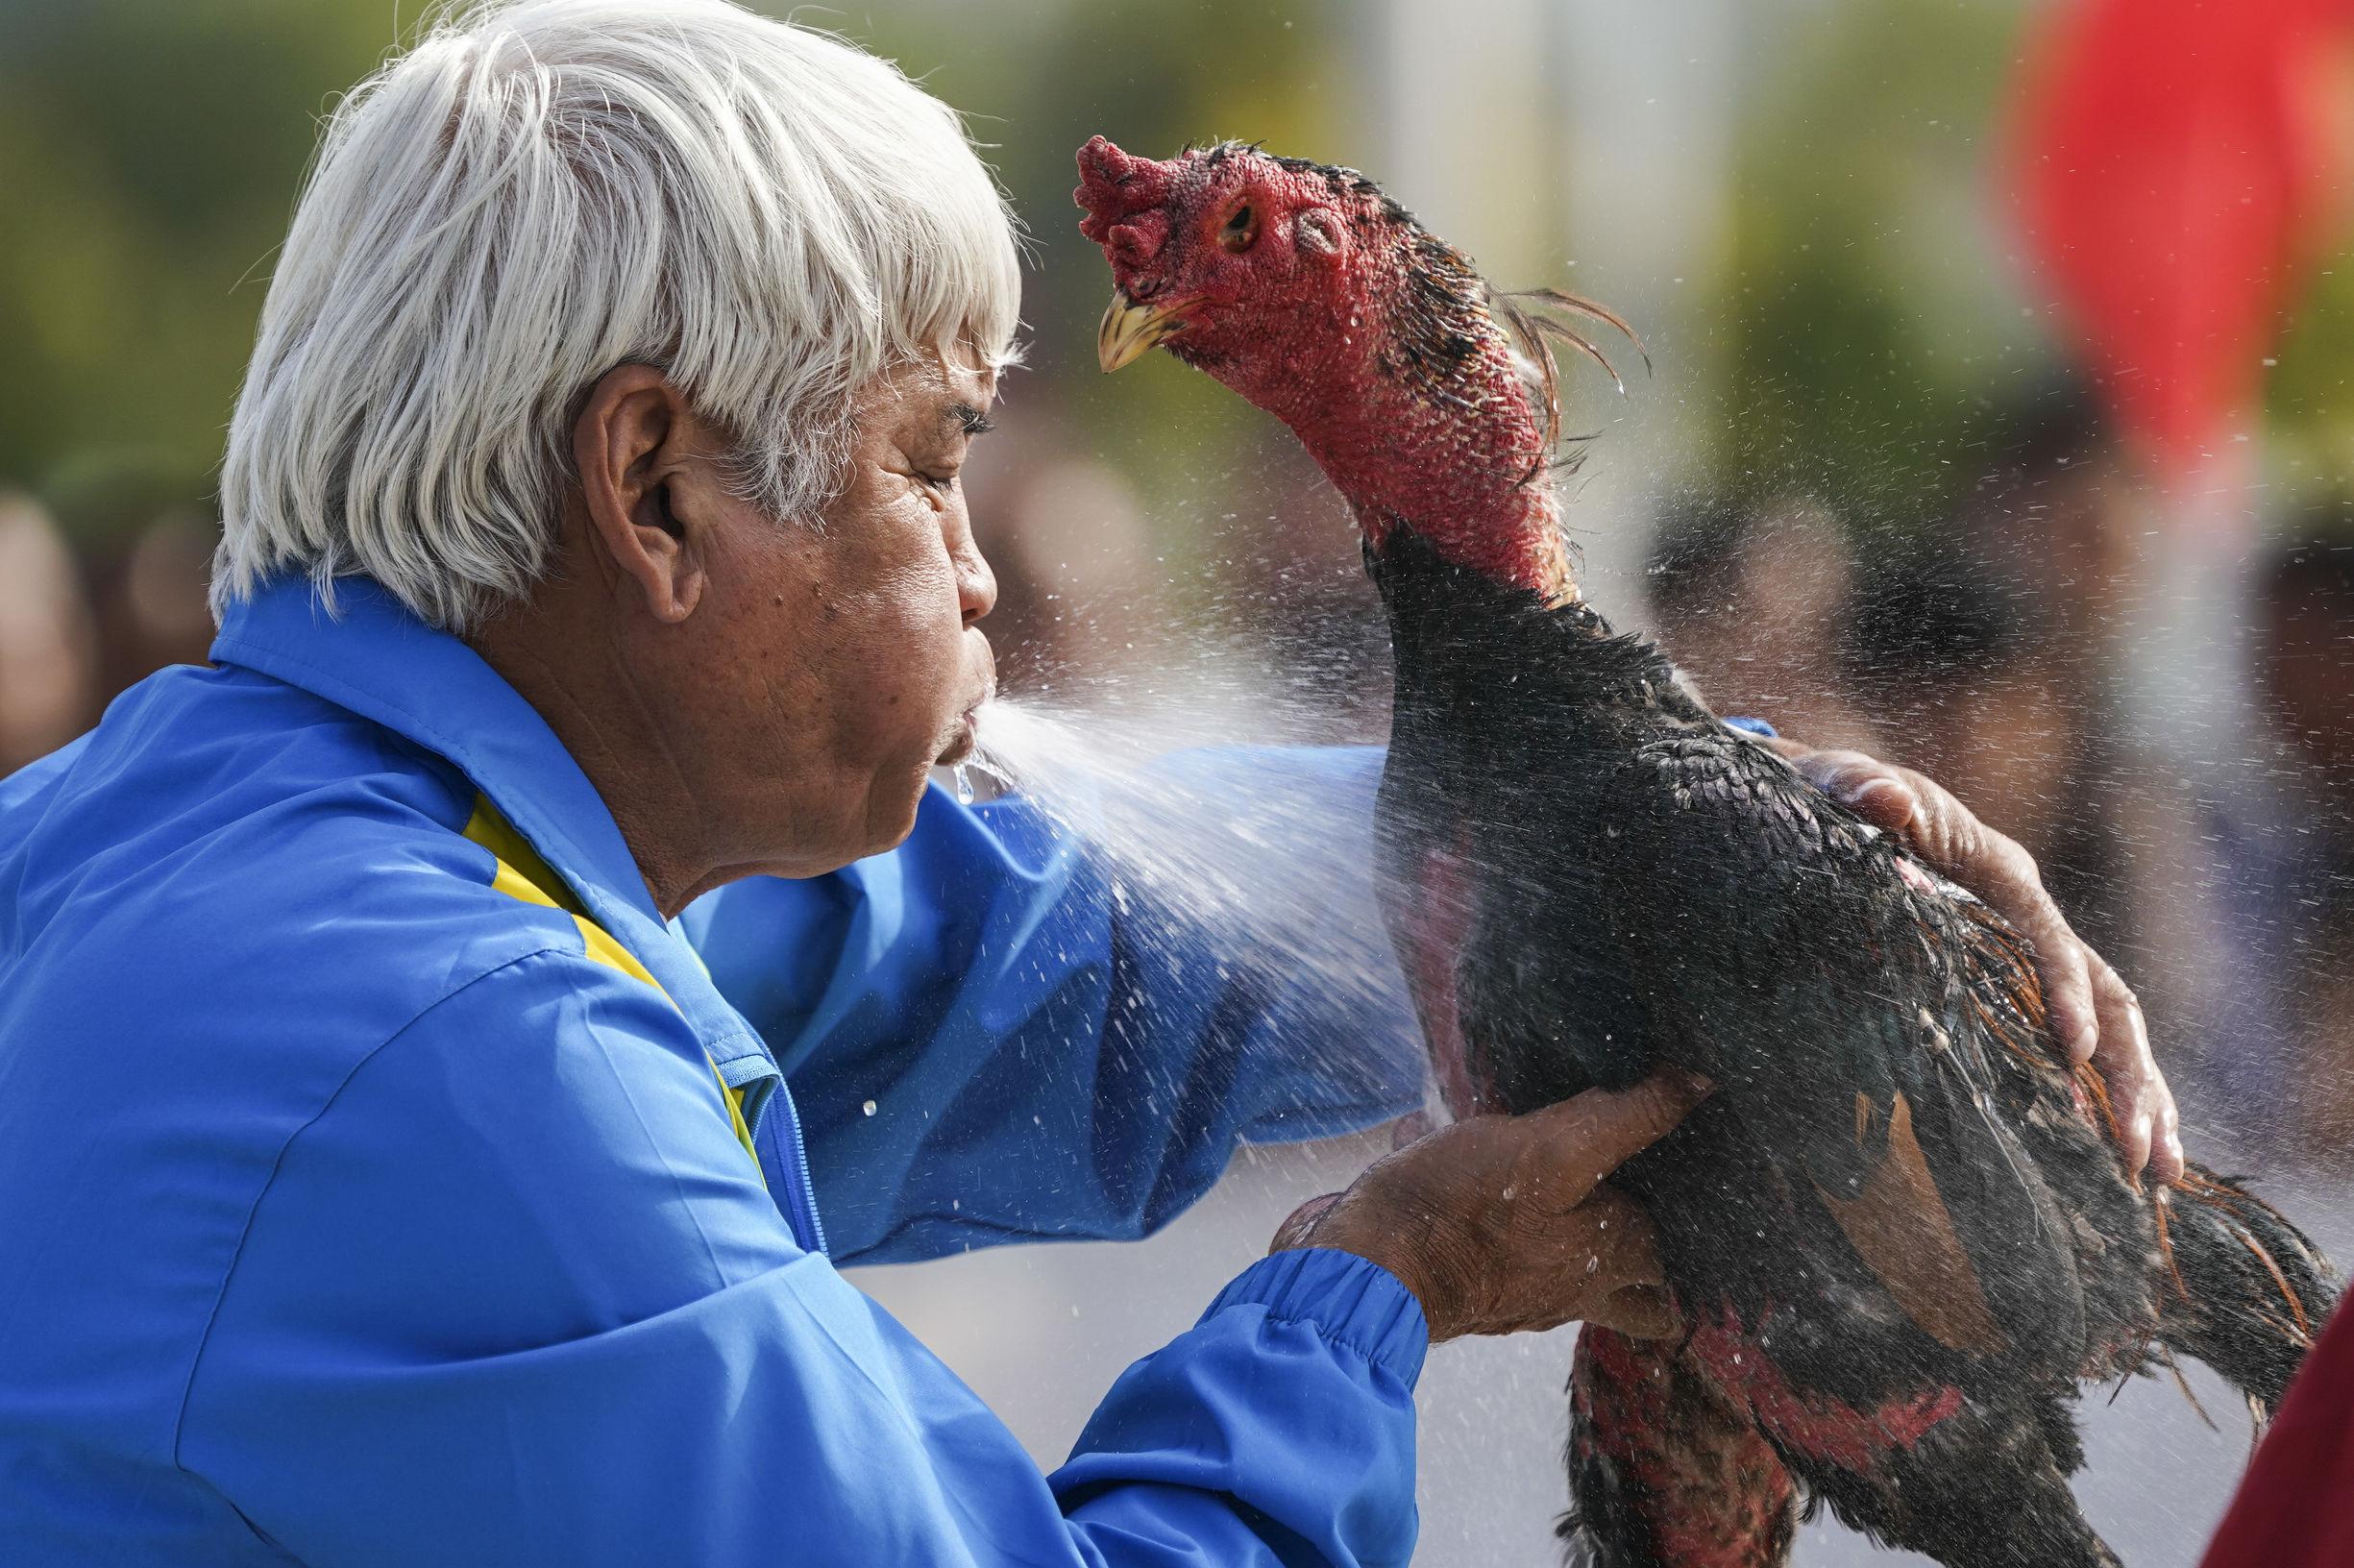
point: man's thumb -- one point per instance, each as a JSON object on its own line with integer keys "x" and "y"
{"x": 1294, "y": 1231}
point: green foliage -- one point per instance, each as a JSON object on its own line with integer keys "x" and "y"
{"x": 1863, "y": 323}
{"x": 2310, "y": 397}
{"x": 150, "y": 157}
{"x": 1871, "y": 326}
{"x": 150, "y": 152}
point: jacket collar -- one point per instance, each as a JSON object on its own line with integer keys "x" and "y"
{"x": 364, "y": 650}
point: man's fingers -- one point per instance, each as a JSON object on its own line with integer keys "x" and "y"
{"x": 2093, "y": 1013}
{"x": 2133, "y": 1122}
{"x": 2124, "y": 1064}
{"x": 1949, "y": 836}
{"x": 1590, "y": 1134}
{"x": 2148, "y": 1127}
{"x": 2064, "y": 964}
{"x": 1881, "y": 794}
{"x": 2166, "y": 1132}
{"x": 2061, "y": 961}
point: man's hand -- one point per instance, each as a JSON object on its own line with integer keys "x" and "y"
{"x": 2093, "y": 1013}
{"x": 1501, "y": 1223}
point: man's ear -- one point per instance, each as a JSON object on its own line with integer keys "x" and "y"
{"x": 631, "y": 446}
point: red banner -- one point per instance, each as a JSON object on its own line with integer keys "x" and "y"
{"x": 2176, "y": 163}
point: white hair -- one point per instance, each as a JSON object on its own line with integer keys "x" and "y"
{"x": 540, "y": 191}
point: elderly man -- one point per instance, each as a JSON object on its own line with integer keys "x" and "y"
{"x": 383, "y": 1177}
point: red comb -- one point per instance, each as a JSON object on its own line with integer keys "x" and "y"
{"x": 1114, "y": 187}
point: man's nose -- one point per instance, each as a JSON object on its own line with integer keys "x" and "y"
{"x": 976, "y": 585}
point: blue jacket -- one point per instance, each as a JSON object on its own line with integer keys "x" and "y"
{"x": 384, "y": 1182}
{"x": 1050, "y": 1057}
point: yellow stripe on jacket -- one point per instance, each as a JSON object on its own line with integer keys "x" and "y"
{"x": 521, "y": 873}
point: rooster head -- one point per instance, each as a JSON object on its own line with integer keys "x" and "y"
{"x": 1429, "y": 397}
{"x": 1231, "y": 257}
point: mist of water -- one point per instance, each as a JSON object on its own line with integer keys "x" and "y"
{"x": 1226, "y": 824}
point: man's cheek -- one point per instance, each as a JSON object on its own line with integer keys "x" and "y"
{"x": 898, "y": 702}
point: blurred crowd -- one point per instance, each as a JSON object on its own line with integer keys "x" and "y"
{"x": 77, "y": 626}
{"x": 1989, "y": 647}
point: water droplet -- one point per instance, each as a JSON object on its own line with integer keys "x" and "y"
{"x": 868, "y": 1107}
{"x": 964, "y": 785}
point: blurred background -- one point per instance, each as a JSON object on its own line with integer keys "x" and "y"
{"x": 1999, "y": 421}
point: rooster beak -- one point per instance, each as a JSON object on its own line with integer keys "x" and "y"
{"x": 1130, "y": 329}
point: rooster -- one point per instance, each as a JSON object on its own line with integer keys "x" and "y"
{"x": 1899, "y": 1235}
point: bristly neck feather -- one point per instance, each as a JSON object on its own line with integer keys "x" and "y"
{"x": 1410, "y": 397}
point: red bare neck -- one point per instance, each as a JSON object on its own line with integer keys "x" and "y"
{"x": 1435, "y": 432}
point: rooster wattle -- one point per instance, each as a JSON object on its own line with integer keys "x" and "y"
{"x": 1898, "y": 1234}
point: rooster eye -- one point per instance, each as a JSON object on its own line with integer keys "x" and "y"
{"x": 1241, "y": 230}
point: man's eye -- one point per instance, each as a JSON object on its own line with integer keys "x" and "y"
{"x": 936, "y": 481}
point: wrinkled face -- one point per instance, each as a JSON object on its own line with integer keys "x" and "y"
{"x": 834, "y": 664}
{"x": 1217, "y": 252}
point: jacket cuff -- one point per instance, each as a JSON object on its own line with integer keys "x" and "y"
{"x": 1351, "y": 1301}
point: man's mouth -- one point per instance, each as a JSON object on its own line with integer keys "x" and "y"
{"x": 966, "y": 737}
{"x": 960, "y": 748}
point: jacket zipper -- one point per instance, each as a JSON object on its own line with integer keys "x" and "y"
{"x": 804, "y": 1213}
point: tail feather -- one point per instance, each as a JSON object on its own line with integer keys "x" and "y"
{"x": 2248, "y": 1292}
